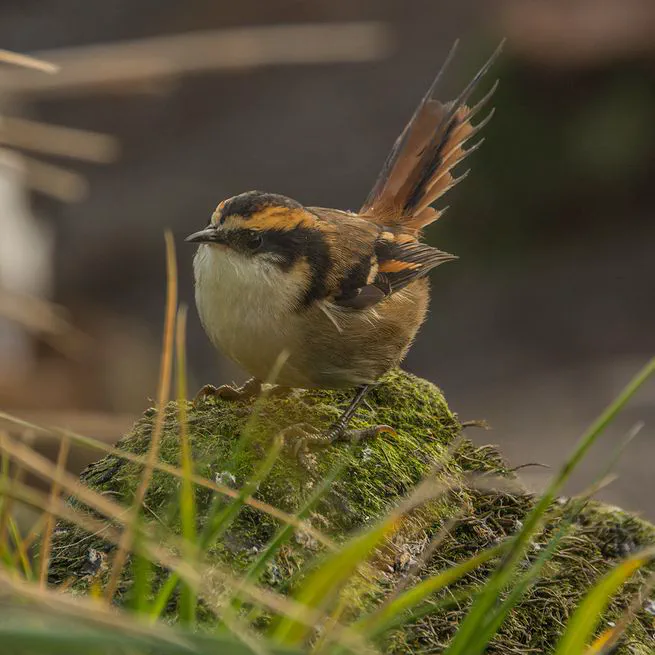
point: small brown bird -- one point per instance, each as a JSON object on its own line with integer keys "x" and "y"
{"x": 341, "y": 294}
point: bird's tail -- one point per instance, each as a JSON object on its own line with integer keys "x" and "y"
{"x": 419, "y": 168}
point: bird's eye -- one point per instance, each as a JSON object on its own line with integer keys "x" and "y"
{"x": 254, "y": 242}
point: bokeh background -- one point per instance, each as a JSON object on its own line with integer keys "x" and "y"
{"x": 177, "y": 105}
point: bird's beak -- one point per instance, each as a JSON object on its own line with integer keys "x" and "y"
{"x": 208, "y": 235}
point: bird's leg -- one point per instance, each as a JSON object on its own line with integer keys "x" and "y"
{"x": 339, "y": 430}
{"x": 305, "y": 436}
{"x": 250, "y": 389}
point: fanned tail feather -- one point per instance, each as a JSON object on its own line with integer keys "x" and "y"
{"x": 419, "y": 168}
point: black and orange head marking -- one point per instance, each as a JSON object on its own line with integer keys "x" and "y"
{"x": 257, "y": 210}
{"x": 280, "y": 231}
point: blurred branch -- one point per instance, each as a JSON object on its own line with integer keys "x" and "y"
{"x": 87, "y": 68}
{"x": 58, "y": 140}
{"x": 52, "y": 180}
{"x": 7, "y": 57}
{"x": 43, "y": 318}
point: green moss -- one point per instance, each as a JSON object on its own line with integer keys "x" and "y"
{"x": 378, "y": 474}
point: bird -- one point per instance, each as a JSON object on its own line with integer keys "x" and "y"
{"x": 330, "y": 298}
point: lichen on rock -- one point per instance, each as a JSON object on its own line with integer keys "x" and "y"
{"x": 378, "y": 475}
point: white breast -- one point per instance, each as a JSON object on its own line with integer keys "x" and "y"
{"x": 246, "y": 307}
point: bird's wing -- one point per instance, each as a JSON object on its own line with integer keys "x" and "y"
{"x": 397, "y": 260}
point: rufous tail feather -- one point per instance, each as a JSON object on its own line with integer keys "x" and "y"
{"x": 419, "y": 168}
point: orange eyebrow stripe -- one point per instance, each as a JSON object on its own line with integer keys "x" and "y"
{"x": 217, "y": 212}
{"x": 279, "y": 218}
{"x": 397, "y": 266}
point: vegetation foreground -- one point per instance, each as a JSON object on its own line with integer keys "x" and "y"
{"x": 468, "y": 503}
{"x": 203, "y": 533}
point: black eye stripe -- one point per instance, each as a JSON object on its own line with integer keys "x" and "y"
{"x": 289, "y": 246}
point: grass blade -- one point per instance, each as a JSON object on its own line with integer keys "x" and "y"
{"x": 162, "y": 398}
{"x": 187, "y": 603}
{"x": 142, "y": 574}
{"x": 219, "y": 516}
{"x": 465, "y": 641}
{"x": 521, "y": 586}
{"x": 21, "y": 551}
{"x": 285, "y": 532}
{"x": 6, "y": 506}
{"x": 585, "y": 620}
{"x": 175, "y": 472}
{"x": 377, "y": 622}
{"x": 321, "y": 586}
{"x": 497, "y": 617}
{"x": 604, "y": 644}
{"x": 55, "y": 489}
{"x": 221, "y": 523}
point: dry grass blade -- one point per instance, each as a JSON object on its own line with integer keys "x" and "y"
{"x": 58, "y": 140}
{"x": 424, "y": 557}
{"x": 96, "y": 527}
{"x": 25, "y": 61}
{"x": 116, "y": 513}
{"x": 163, "y": 396}
{"x": 5, "y": 506}
{"x": 28, "y": 458}
{"x": 7, "y": 503}
{"x": 126, "y": 63}
{"x": 177, "y": 473}
{"x": 209, "y": 581}
{"x": 55, "y": 489}
{"x": 604, "y": 644}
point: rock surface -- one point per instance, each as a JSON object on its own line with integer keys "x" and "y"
{"x": 378, "y": 475}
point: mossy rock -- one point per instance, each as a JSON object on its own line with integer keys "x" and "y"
{"x": 378, "y": 475}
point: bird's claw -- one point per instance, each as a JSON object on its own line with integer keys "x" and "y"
{"x": 250, "y": 389}
{"x": 302, "y": 438}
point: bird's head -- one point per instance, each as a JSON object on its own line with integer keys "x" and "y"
{"x": 258, "y": 224}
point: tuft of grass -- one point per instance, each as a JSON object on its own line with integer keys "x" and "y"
{"x": 471, "y": 638}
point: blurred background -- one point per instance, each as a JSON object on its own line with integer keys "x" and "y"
{"x": 162, "y": 108}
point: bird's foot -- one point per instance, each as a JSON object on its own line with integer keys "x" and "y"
{"x": 250, "y": 389}
{"x": 302, "y": 438}
{"x": 253, "y": 388}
